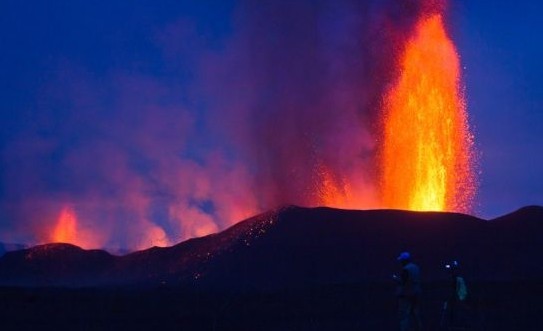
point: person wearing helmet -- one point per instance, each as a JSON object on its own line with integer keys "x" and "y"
{"x": 454, "y": 305}
{"x": 408, "y": 293}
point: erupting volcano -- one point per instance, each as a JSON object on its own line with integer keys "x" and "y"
{"x": 426, "y": 156}
{"x": 359, "y": 109}
{"x": 259, "y": 165}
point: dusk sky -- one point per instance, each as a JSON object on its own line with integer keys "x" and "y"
{"x": 160, "y": 121}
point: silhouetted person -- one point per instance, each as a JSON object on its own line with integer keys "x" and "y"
{"x": 454, "y": 306}
{"x": 408, "y": 293}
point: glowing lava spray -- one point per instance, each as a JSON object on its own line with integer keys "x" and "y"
{"x": 66, "y": 228}
{"x": 426, "y": 153}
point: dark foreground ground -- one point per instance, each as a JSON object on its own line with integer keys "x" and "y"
{"x": 493, "y": 306}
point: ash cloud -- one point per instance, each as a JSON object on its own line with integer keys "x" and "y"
{"x": 231, "y": 124}
{"x": 302, "y": 85}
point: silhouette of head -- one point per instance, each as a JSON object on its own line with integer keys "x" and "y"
{"x": 404, "y": 257}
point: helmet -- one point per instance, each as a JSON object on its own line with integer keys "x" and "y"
{"x": 404, "y": 256}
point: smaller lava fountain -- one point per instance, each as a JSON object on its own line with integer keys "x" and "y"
{"x": 66, "y": 229}
{"x": 332, "y": 190}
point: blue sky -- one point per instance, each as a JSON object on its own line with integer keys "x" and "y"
{"x": 501, "y": 48}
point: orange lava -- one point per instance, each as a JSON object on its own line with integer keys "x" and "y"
{"x": 333, "y": 192}
{"x": 426, "y": 153}
{"x": 66, "y": 229}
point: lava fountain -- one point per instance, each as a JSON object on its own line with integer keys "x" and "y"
{"x": 66, "y": 228}
{"x": 333, "y": 191}
{"x": 426, "y": 153}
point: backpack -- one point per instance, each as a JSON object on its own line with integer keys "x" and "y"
{"x": 461, "y": 289}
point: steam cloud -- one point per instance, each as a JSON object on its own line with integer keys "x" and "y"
{"x": 292, "y": 89}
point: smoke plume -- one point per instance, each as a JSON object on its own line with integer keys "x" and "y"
{"x": 281, "y": 108}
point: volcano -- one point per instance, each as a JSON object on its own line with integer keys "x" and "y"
{"x": 294, "y": 246}
{"x": 289, "y": 269}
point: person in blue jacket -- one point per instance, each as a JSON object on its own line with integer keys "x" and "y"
{"x": 408, "y": 293}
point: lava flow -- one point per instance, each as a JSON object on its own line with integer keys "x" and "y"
{"x": 426, "y": 153}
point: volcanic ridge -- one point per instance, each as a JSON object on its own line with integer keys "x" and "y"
{"x": 300, "y": 247}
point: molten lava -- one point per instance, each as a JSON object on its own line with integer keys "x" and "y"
{"x": 426, "y": 152}
{"x": 66, "y": 229}
{"x": 333, "y": 192}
